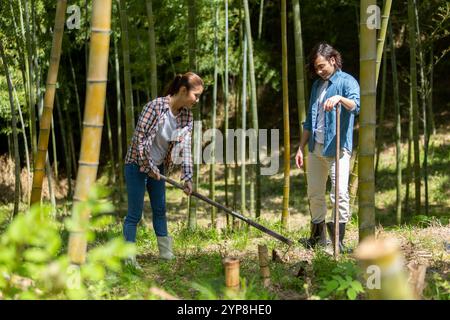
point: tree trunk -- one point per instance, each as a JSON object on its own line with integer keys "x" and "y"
{"x": 152, "y": 43}
{"x": 366, "y": 150}
{"x": 46, "y": 119}
{"x": 93, "y": 121}
{"x": 14, "y": 130}
{"x": 287, "y": 152}
{"x": 414, "y": 101}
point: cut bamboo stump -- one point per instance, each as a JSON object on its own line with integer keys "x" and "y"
{"x": 263, "y": 254}
{"x": 231, "y": 273}
{"x": 384, "y": 270}
{"x": 417, "y": 273}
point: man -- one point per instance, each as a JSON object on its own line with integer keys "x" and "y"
{"x": 333, "y": 88}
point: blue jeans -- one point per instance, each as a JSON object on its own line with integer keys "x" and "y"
{"x": 137, "y": 182}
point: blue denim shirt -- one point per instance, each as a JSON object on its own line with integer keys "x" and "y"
{"x": 342, "y": 84}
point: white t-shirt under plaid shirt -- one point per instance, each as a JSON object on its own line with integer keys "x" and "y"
{"x": 160, "y": 145}
{"x": 152, "y": 117}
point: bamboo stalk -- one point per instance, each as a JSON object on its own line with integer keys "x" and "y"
{"x": 366, "y": 150}
{"x": 285, "y": 213}
{"x": 415, "y": 104}
{"x": 398, "y": 131}
{"x": 300, "y": 81}
{"x": 243, "y": 121}
{"x": 67, "y": 156}
{"x": 129, "y": 108}
{"x": 408, "y": 158}
{"x": 196, "y": 147}
{"x": 77, "y": 96}
{"x": 212, "y": 187}
{"x": 384, "y": 266}
{"x": 71, "y": 144}
{"x": 21, "y": 53}
{"x": 353, "y": 189}
{"x": 255, "y": 167}
{"x": 14, "y": 130}
{"x": 110, "y": 144}
{"x": 226, "y": 108}
{"x": 119, "y": 120}
{"x": 25, "y": 143}
{"x": 263, "y": 255}
{"x": 381, "y": 114}
{"x": 231, "y": 273}
{"x": 47, "y": 114}
{"x": 152, "y": 43}
{"x": 236, "y": 126}
{"x": 93, "y": 120}
{"x": 55, "y": 156}
{"x": 382, "y": 35}
{"x": 31, "y": 75}
{"x": 261, "y": 14}
{"x": 424, "y": 96}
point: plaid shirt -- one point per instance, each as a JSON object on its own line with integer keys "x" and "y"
{"x": 151, "y": 119}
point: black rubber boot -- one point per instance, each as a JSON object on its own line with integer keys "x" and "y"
{"x": 318, "y": 235}
{"x": 342, "y": 247}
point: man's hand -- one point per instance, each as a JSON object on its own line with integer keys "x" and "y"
{"x": 329, "y": 104}
{"x": 299, "y": 158}
{"x": 187, "y": 188}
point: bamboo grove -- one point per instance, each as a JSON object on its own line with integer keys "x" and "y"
{"x": 253, "y": 56}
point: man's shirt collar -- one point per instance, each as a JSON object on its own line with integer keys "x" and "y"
{"x": 334, "y": 77}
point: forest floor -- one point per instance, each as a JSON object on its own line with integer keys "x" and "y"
{"x": 295, "y": 272}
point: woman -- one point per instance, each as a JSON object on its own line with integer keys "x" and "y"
{"x": 162, "y": 137}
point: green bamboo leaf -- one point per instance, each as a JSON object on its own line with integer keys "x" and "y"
{"x": 351, "y": 294}
{"x": 356, "y": 285}
{"x": 36, "y": 255}
{"x": 331, "y": 285}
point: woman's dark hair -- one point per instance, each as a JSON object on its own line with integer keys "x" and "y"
{"x": 189, "y": 80}
{"x": 325, "y": 50}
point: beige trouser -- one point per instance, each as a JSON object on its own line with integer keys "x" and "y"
{"x": 319, "y": 168}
